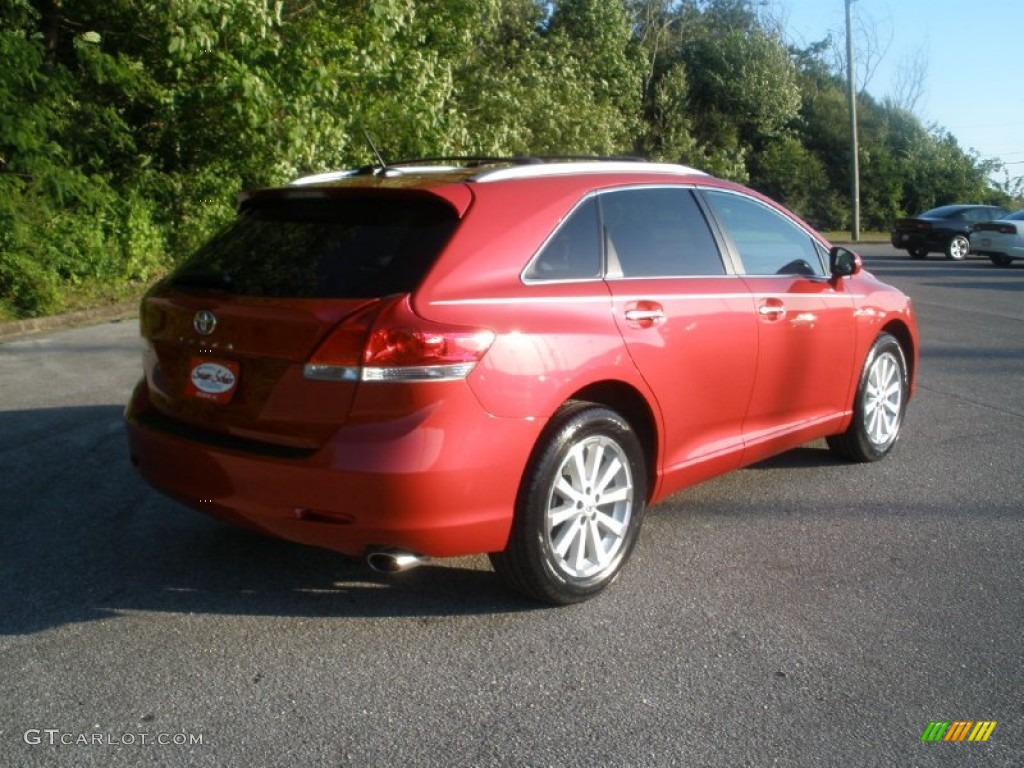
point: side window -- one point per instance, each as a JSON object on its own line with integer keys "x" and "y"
{"x": 657, "y": 232}
{"x": 574, "y": 252}
{"x": 768, "y": 243}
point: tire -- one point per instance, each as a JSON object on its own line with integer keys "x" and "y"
{"x": 880, "y": 404}
{"x": 917, "y": 253}
{"x": 958, "y": 247}
{"x": 567, "y": 544}
{"x": 1001, "y": 259}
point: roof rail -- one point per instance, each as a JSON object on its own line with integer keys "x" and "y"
{"x": 472, "y": 161}
{"x": 565, "y": 169}
{"x": 496, "y": 168}
{"x": 417, "y": 165}
{"x": 319, "y": 178}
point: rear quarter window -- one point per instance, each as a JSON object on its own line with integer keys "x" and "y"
{"x": 574, "y": 251}
{"x": 338, "y": 247}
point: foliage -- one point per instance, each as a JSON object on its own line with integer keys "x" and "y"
{"x": 128, "y": 127}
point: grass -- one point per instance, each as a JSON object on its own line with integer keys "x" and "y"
{"x": 865, "y": 237}
{"x": 85, "y": 296}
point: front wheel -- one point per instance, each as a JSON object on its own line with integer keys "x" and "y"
{"x": 1001, "y": 259}
{"x": 579, "y": 507}
{"x": 880, "y": 404}
{"x": 958, "y": 247}
{"x": 918, "y": 253}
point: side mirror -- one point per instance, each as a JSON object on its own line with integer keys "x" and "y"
{"x": 843, "y": 262}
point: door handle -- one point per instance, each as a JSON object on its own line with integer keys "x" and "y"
{"x": 773, "y": 309}
{"x": 645, "y": 314}
{"x": 639, "y": 315}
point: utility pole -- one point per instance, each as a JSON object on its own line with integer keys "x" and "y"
{"x": 851, "y": 85}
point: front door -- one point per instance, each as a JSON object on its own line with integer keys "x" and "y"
{"x": 806, "y": 329}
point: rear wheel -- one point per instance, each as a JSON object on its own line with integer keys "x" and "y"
{"x": 579, "y": 507}
{"x": 1001, "y": 259}
{"x": 880, "y": 404}
{"x": 918, "y": 253}
{"x": 958, "y": 247}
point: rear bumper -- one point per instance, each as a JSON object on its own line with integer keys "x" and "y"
{"x": 991, "y": 246}
{"x": 439, "y": 483}
{"x": 914, "y": 240}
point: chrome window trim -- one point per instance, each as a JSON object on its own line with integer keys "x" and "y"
{"x": 673, "y": 277}
{"x": 729, "y": 270}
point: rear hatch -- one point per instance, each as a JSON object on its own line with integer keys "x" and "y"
{"x": 231, "y": 329}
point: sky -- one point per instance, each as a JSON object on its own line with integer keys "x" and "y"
{"x": 971, "y": 51}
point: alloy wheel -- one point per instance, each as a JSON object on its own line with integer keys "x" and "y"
{"x": 883, "y": 400}
{"x": 589, "y": 507}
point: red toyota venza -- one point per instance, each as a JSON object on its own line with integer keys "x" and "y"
{"x": 442, "y": 358}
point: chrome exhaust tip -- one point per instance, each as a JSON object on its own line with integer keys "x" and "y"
{"x": 393, "y": 560}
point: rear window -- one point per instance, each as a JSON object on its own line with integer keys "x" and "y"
{"x": 338, "y": 248}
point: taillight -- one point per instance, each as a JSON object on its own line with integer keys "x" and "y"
{"x": 997, "y": 226}
{"x": 427, "y": 351}
{"x": 392, "y": 343}
{"x": 340, "y": 355}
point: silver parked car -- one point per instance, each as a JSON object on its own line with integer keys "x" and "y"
{"x": 1002, "y": 240}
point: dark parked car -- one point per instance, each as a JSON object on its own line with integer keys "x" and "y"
{"x": 942, "y": 230}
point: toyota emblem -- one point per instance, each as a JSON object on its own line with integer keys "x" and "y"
{"x": 204, "y": 322}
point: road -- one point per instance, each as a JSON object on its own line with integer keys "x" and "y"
{"x": 801, "y": 612}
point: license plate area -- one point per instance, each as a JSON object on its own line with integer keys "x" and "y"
{"x": 212, "y": 379}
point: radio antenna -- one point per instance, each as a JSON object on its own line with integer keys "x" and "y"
{"x": 376, "y": 152}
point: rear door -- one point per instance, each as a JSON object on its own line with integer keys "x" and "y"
{"x": 689, "y": 326}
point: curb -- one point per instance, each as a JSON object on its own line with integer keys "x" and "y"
{"x": 16, "y": 328}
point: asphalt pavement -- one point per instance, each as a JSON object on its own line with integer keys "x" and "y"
{"x": 800, "y": 612}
